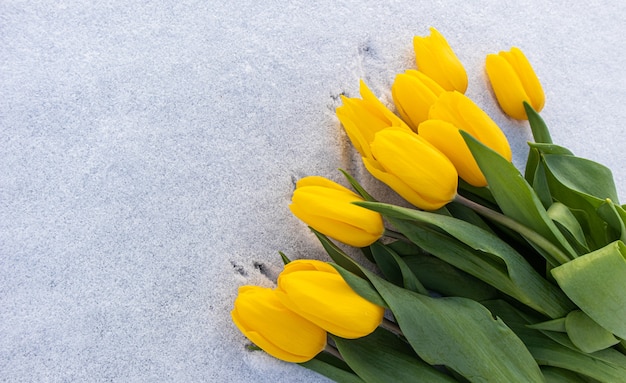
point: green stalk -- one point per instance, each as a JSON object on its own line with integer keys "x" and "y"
{"x": 525, "y": 231}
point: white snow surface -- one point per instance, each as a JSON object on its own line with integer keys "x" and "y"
{"x": 148, "y": 152}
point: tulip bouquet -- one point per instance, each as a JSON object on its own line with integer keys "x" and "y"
{"x": 492, "y": 276}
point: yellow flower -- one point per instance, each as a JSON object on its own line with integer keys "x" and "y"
{"x": 464, "y": 114}
{"x": 317, "y": 292}
{"x": 412, "y": 167}
{"x": 362, "y": 118}
{"x": 513, "y": 81}
{"x": 327, "y": 207}
{"x": 263, "y": 319}
{"x": 446, "y": 137}
{"x": 413, "y": 93}
{"x": 435, "y": 58}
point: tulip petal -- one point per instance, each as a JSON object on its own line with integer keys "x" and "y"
{"x": 413, "y": 93}
{"x": 462, "y": 112}
{"x": 509, "y": 97}
{"x": 446, "y": 137}
{"x": 326, "y": 300}
{"x": 437, "y": 60}
{"x": 419, "y": 165}
{"x": 262, "y": 318}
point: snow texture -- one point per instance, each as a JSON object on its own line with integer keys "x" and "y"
{"x": 149, "y": 151}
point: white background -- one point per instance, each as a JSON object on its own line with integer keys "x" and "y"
{"x": 148, "y": 152}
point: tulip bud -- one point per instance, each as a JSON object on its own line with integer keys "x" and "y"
{"x": 435, "y": 58}
{"x": 446, "y": 137}
{"x": 464, "y": 114}
{"x": 262, "y": 318}
{"x": 327, "y": 207}
{"x": 412, "y": 167}
{"x": 413, "y": 93}
{"x": 317, "y": 292}
{"x": 514, "y": 81}
{"x": 362, "y": 118}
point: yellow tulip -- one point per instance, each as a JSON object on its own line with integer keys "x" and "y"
{"x": 435, "y": 58}
{"x": 514, "y": 81}
{"x": 412, "y": 167}
{"x": 446, "y": 137}
{"x": 327, "y": 207}
{"x": 262, "y": 318}
{"x": 413, "y": 93}
{"x": 463, "y": 113}
{"x": 317, "y": 292}
{"x": 362, "y": 118}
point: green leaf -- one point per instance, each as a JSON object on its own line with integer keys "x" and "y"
{"x": 537, "y": 125}
{"x": 408, "y": 280}
{"x": 460, "y": 334}
{"x": 607, "y": 366}
{"x": 570, "y": 226}
{"x": 328, "y": 370}
{"x": 550, "y": 148}
{"x": 608, "y": 211}
{"x": 284, "y": 258}
{"x": 357, "y": 186}
{"x": 559, "y": 375}
{"x": 479, "y": 253}
{"x": 541, "y": 186}
{"x": 586, "y": 334}
{"x": 516, "y": 198}
{"x": 337, "y": 254}
{"x": 383, "y": 357}
{"x": 583, "y": 176}
{"x": 360, "y": 286}
{"x": 596, "y": 283}
{"x": 557, "y": 325}
{"x": 387, "y": 264}
{"x": 445, "y": 279}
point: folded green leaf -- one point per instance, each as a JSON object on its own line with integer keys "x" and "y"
{"x": 382, "y": 357}
{"x": 569, "y": 225}
{"x": 586, "y": 334}
{"x": 596, "y": 283}
{"x": 583, "y": 176}
{"x": 607, "y": 366}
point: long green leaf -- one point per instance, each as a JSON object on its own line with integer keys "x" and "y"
{"x": 328, "y": 370}
{"x": 382, "y": 357}
{"x": 479, "y": 253}
{"x": 460, "y": 334}
{"x": 516, "y": 197}
{"x": 445, "y": 279}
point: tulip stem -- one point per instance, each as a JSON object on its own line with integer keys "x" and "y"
{"x": 333, "y": 351}
{"x": 528, "y": 233}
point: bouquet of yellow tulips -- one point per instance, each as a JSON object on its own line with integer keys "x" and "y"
{"x": 493, "y": 276}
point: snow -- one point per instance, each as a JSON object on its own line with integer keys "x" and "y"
{"x": 149, "y": 151}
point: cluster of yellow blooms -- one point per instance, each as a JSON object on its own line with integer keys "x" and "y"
{"x": 420, "y": 155}
{"x": 291, "y": 322}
